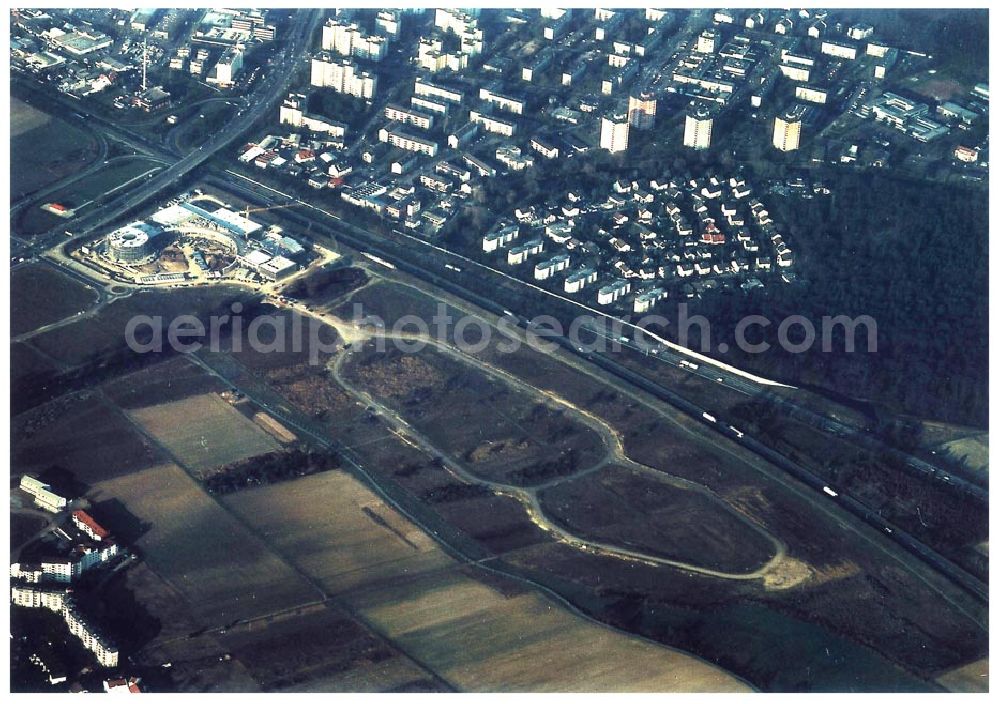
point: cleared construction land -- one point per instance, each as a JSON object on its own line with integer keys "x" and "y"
{"x": 645, "y": 512}
{"x": 499, "y": 433}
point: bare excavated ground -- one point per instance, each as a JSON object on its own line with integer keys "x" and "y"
{"x": 625, "y": 507}
{"x": 498, "y": 433}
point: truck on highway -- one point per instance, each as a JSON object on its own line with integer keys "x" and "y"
{"x": 709, "y": 417}
{"x": 737, "y": 433}
{"x": 687, "y": 365}
{"x": 829, "y": 492}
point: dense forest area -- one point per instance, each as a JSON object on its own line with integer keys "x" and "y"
{"x": 913, "y": 256}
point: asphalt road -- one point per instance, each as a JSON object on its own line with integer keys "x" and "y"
{"x": 280, "y": 74}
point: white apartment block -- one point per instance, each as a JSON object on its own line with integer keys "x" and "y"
{"x": 519, "y": 254}
{"x": 465, "y": 25}
{"x": 59, "y": 601}
{"x": 347, "y": 39}
{"x": 547, "y": 269}
{"x": 389, "y": 21}
{"x": 642, "y": 111}
{"x": 503, "y": 102}
{"x": 498, "y": 239}
{"x": 427, "y": 89}
{"x": 102, "y": 648}
{"x": 397, "y": 113}
{"x": 841, "y": 51}
{"x": 432, "y": 57}
{"x": 614, "y": 133}
{"x": 795, "y": 72}
{"x": 407, "y": 142}
{"x": 292, "y": 112}
{"x": 645, "y": 301}
{"x": 428, "y": 105}
{"x": 698, "y": 129}
{"x": 787, "y": 130}
{"x": 227, "y": 68}
{"x": 513, "y": 159}
{"x": 343, "y": 76}
{"x": 492, "y": 124}
{"x": 43, "y": 495}
{"x": 580, "y": 279}
{"x": 38, "y": 597}
{"x": 610, "y": 293}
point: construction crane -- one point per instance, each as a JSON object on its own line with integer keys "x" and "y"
{"x": 246, "y": 211}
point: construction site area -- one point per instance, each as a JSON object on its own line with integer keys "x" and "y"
{"x": 198, "y": 238}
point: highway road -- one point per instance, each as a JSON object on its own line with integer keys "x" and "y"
{"x": 268, "y": 92}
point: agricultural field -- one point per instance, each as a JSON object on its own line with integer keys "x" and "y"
{"x": 204, "y": 431}
{"x": 321, "y": 649}
{"x": 68, "y": 149}
{"x": 84, "y": 436}
{"x": 483, "y": 639}
{"x": 473, "y": 634}
{"x": 24, "y": 118}
{"x": 500, "y": 434}
{"x": 42, "y": 295}
{"x": 644, "y": 512}
{"x": 217, "y": 563}
{"x": 338, "y": 532}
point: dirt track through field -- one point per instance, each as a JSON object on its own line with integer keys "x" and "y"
{"x": 529, "y": 496}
